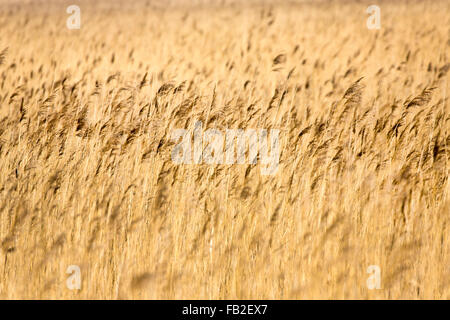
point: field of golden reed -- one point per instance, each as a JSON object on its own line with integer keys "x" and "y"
{"x": 87, "y": 179}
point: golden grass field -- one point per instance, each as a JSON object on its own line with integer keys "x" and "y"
{"x": 86, "y": 176}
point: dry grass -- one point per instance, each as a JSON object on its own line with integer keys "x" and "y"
{"x": 86, "y": 176}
